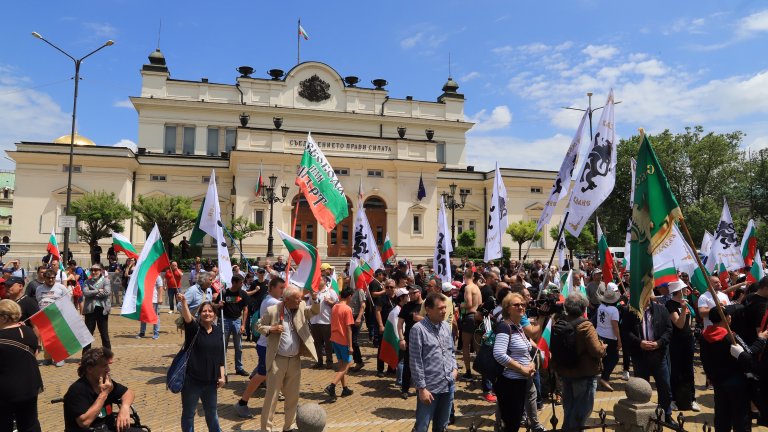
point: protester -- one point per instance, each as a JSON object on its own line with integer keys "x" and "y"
{"x": 580, "y": 367}
{"x": 34, "y": 283}
{"x": 594, "y": 287}
{"x": 321, "y": 323}
{"x": 341, "y": 339}
{"x": 97, "y": 305}
{"x": 256, "y": 290}
{"x": 513, "y": 351}
{"x": 47, "y": 294}
{"x": 756, "y": 317}
{"x": 385, "y": 305}
{"x": 156, "y": 300}
{"x": 205, "y": 367}
{"x": 173, "y": 283}
{"x": 406, "y": 319}
{"x": 286, "y": 326}
{"x": 358, "y": 304}
{"x": 199, "y": 292}
{"x": 607, "y": 317}
{"x": 472, "y": 299}
{"x": 16, "y": 292}
{"x": 19, "y": 371}
{"x": 681, "y": 349}
{"x": 94, "y": 393}
{"x": 234, "y": 304}
{"x": 707, "y": 302}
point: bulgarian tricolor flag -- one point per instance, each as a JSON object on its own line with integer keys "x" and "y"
{"x": 749, "y": 243}
{"x": 137, "y": 303}
{"x": 565, "y": 284}
{"x": 666, "y": 273}
{"x": 606, "y": 258}
{"x": 307, "y": 274}
{"x": 320, "y": 186}
{"x": 302, "y": 32}
{"x": 260, "y": 185}
{"x": 122, "y": 244}
{"x": 361, "y": 272}
{"x": 387, "y": 250}
{"x": 335, "y": 284}
{"x": 53, "y": 248}
{"x": 756, "y": 271}
{"x": 62, "y": 330}
{"x": 390, "y": 344}
{"x": 543, "y": 343}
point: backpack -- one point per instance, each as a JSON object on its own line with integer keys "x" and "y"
{"x": 563, "y": 342}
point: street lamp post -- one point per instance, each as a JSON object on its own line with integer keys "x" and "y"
{"x": 77, "y": 62}
{"x": 452, "y": 204}
{"x": 272, "y": 198}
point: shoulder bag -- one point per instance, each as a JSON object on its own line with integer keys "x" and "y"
{"x": 177, "y": 371}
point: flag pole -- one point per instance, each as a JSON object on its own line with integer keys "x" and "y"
{"x": 552, "y": 258}
{"x": 298, "y": 43}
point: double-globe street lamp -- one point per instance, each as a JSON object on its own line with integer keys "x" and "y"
{"x": 450, "y": 203}
{"x": 271, "y": 198}
{"x": 77, "y": 62}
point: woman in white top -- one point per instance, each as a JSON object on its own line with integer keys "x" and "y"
{"x": 608, "y": 331}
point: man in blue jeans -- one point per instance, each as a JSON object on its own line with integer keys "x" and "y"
{"x": 235, "y": 310}
{"x": 433, "y": 366}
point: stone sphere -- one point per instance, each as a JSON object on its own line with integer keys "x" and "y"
{"x": 638, "y": 390}
{"x": 310, "y": 417}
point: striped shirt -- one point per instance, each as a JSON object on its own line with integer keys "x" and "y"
{"x": 432, "y": 359}
{"x": 512, "y": 343}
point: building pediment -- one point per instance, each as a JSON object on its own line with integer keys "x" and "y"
{"x": 535, "y": 207}
{"x": 76, "y": 191}
{"x": 417, "y": 208}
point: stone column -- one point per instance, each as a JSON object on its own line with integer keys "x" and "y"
{"x": 634, "y": 411}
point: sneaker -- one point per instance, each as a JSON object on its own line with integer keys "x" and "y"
{"x": 346, "y": 391}
{"x": 467, "y": 376}
{"x": 380, "y": 374}
{"x": 625, "y": 375}
{"x": 59, "y": 364}
{"x": 695, "y": 406}
{"x": 330, "y": 390}
{"x": 170, "y": 312}
{"x": 329, "y": 365}
{"x": 539, "y": 428}
{"x": 242, "y": 410}
{"x": 241, "y": 372}
{"x": 357, "y": 367}
{"x": 138, "y": 336}
{"x": 280, "y": 397}
{"x": 155, "y": 337}
{"x": 673, "y": 406}
{"x": 404, "y": 395}
{"x": 490, "y": 397}
{"x": 318, "y": 366}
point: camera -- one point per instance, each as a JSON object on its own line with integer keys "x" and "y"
{"x": 544, "y": 307}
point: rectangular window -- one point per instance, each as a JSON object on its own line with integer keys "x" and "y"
{"x": 341, "y": 171}
{"x": 472, "y": 224}
{"x": 189, "y": 141}
{"x": 157, "y": 177}
{"x": 206, "y": 179}
{"x": 297, "y": 233}
{"x": 230, "y": 140}
{"x": 536, "y": 190}
{"x": 345, "y": 234}
{"x": 465, "y": 191}
{"x": 459, "y": 226}
{"x": 169, "y": 145}
{"x": 440, "y": 150}
{"x": 417, "y": 224}
{"x": 310, "y": 234}
{"x": 258, "y": 218}
{"x": 213, "y": 142}
{"x": 76, "y": 169}
{"x": 379, "y": 236}
{"x": 375, "y": 173}
{"x": 334, "y": 236}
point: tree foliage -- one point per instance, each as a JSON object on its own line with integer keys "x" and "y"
{"x": 241, "y": 228}
{"x": 583, "y": 244}
{"x": 99, "y": 214}
{"x": 522, "y": 232}
{"x": 172, "y": 214}
{"x": 467, "y": 238}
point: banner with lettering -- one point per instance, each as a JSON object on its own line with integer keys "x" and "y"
{"x": 320, "y": 186}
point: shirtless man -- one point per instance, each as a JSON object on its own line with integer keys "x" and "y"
{"x": 472, "y": 299}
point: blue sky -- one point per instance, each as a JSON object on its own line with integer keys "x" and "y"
{"x": 673, "y": 64}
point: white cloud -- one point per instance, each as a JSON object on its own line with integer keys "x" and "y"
{"x": 755, "y": 23}
{"x": 101, "y": 30}
{"x": 125, "y": 103}
{"x": 127, "y": 144}
{"x": 600, "y": 52}
{"x": 687, "y": 25}
{"x": 499, "y": 118}
{"x": 545, "y": 153}
{"x": 424, "y": 37}
{"x": 469, "y": 76}
{"x": 28, "y": 115}
{"x": 411, "y": 42}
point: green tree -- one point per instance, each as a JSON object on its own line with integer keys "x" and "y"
{"x": 241, "y": 228}
{"x": 583, "y": 244}
{"x": 99, "y": 214}
{"x": 467, "y": 238}
{"x": 173, "y": 215}
{"x": 521, "y": 232}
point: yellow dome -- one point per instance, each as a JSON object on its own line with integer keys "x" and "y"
{"x": 79, "y": 140}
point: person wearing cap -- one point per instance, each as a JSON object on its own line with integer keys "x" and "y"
{"x": 681, "y": 347}
{"x": 256, "y": 290}
{"x": 726, "y": 364}
{"x": 384, "y": 305}
{"x": 594, "y": 286}
{"x": 433, "y": 286}
{"x": 406, "y": 319}
{"x": 15, "y": 289}
{"x": 97, "y": 304}
{"x": 607, "y": 318}
{"x": 320, "y": 324}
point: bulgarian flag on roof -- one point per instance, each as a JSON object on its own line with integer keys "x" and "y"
{"x": 302, "y": 32}
{"x": 137, "y": 303}
{"x": 606, "y": 258}
{"x": 361, "y": 272}
{"x": 307, "y": 261}
{"x": 387, "y": 250}
{"x": 62, "y": 330}
{"x": 756, "y": 271}
{"x": 749, "y": 243}
{"x": 543, "y": 343}
{"x": 122, "y": 244}
{"x": 390, "y": 344}
{"x": 53, "y": 248}
{"x": 320, "y": 186}
{"x": 259, "y": 185}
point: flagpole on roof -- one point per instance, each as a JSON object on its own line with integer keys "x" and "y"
{"x": 298, "y": 43}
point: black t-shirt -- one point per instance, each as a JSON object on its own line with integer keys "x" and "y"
{"x": 386, "y": 304}
{"x": 679, "y": 333}
{"x": 487, "y": 293}
{"x": 754, "y": 311}
{"x": 79, "y": 399}
{"x": 18, "y": 368}
{"x": 234, "y": 303}
{"x": 375, "y": 286}
{"x": 207, "y": 354}
{"x": 28, "y": 307}
{"x": 406, "y": 313}
{"x": 32, "y": 287}
{"x": 257, "y": 297}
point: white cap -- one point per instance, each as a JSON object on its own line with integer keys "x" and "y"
{"x": 447, "y": 286}
{"x": 676, "y": 286}
{"x": 612, "y": 287}
{"x": 401, "y": 292}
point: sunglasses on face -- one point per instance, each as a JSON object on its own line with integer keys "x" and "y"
{"x": 518, "y": 305}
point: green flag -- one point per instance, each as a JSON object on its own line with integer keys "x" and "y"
{"x": 654, "y": 213}
{"x": 320, "y": 186}
{"x": 197, "y": 234}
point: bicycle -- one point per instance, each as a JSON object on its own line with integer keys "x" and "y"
{"x": 135, "y": 420}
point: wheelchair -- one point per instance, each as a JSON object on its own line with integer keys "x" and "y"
{"x": 135, "y": 425}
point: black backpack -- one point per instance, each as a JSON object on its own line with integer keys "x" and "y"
{"x": 563, "y": 342}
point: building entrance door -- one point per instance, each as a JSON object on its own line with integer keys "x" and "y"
{"x": 340, "y": 239}
{"x": 306, "y": 225}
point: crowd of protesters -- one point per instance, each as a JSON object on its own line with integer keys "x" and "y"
{"x": 439, "y": 328}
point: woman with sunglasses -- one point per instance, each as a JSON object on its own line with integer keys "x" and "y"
{"x": 97, "y": 292}
{"x": 513, "y": 351}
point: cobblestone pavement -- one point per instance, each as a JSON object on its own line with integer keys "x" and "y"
{"x": 376, "y": 405}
